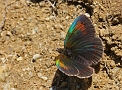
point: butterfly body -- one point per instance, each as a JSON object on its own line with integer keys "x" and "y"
{"x": 82, "y": 49}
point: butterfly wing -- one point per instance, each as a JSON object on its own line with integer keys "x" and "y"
{"x": 72, "y": 67}
{"x": 81, "y": 39}
{"x": 81, "y": 28}
{"x": 88, "y": 49}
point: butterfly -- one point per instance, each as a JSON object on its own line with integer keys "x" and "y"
{"x": 82, "y": 49}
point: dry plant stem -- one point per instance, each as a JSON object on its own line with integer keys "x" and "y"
{"x": 53, "y": 5}
{"x": 4, "y": 16}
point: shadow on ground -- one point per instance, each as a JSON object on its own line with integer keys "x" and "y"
{"x": 64, "y": 82}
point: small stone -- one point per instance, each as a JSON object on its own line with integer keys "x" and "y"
{"x": 3, "y": 33}
{"x": 35, "y": 30}
{"x": 20, "y": 59}
{"x": 63, "y": 35}
{"x": 16, "y": 6}
{"x": 9, "y": 33}
{"x": 31, "y": 74}
{"x": 13, "y": 89}
{"x": 67, "y": 17}
{"x": 36, "y": 56}
{"x": 27, "y": 1}
{"x": 102, "y": 32}
{"x": 42, "y": 77}
{"x": 41, "y": 88}
{"x": 21, "y": 19}
{"x": 47, "y": 19}
{"x": 87, "y": 14}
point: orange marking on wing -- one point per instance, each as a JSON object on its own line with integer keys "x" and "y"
{"x": 62, "y": 65}
{"x": 81, "y": 26}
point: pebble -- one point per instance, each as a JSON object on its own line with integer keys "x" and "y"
{"x": 36, "y": 56}
{"x": 13, "y": 89}
{"x": 41, "y": 88}
{"x": 63, "y": 35}
{"x": 3, "y": 33}
{"x": 102, "y": 32}
{"x": 35, "y": 30}
{"x": 31, "y": 74}
{"x": 42, "y": 77}
{"x": 87, "y": 14}
{"x": 19, "y": 58}
{"x": 28, "y": 2}
{"x": 16, "y": 6}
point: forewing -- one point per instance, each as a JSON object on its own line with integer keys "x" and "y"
{"x": 81, "y": 40}
{"x": 80, "y": 28}
{"x": 72, "y": 67}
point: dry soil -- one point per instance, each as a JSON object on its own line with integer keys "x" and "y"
{"x": 32, "y": 30}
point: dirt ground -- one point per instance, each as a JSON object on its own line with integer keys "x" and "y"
{"x": 32, "y": 30}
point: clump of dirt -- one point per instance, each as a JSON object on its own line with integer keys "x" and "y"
{"x": 32, "y": 30}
